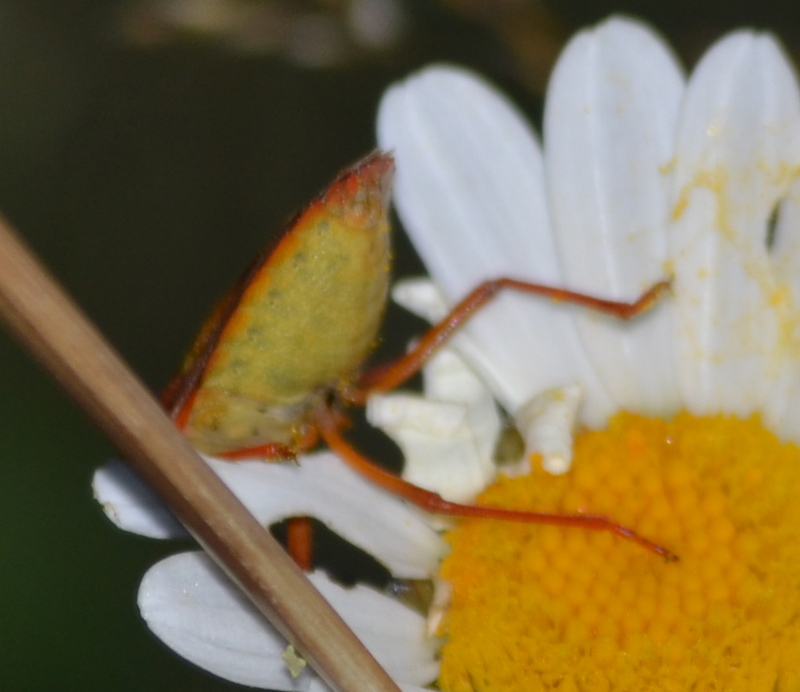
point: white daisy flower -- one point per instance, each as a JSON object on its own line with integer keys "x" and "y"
{"x": 189, "y": 604}
{"x": 642, "y": 175}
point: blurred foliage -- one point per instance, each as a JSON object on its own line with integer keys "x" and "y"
{"x": 147, "y": 173}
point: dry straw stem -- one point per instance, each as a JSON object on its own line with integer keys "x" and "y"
{"x": 48, "y": 324}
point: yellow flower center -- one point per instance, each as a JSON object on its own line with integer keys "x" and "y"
{"x": 543, "y": 608}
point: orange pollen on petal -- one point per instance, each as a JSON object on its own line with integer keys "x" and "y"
{"x": 548, "y": 608}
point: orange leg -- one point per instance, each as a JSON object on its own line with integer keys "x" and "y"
{"x": 386, "y": 377}
{"x": 434, "y": 503}
{"x": 300, "y": 541}
{"x": 299, "y": 530}
{"x": 274, "y": 451}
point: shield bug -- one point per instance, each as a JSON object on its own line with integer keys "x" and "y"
{"x": 282, "y": 352}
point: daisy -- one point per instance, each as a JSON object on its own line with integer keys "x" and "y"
{"x": 191, "y": 605}
{"x": 642, "y": 174}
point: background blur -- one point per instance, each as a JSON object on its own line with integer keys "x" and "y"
{"x": 148, "y": 149}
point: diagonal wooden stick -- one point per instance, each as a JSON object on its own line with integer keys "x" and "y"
{"x": 53, "y": 329}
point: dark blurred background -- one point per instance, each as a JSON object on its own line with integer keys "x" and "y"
{"x": 147, "y": 150}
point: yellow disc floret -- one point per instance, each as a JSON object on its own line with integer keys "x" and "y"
{"x": 543, "y": 607}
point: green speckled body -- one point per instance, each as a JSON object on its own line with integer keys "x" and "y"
{"x": 302, "y": 321}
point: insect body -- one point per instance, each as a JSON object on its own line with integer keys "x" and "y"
{"x": 285, "y": 346}
{"x": 296, "y": 326}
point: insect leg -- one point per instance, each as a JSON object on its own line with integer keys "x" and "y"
{"x": 299, "y": 530}
{"x": 436, "y": 504}
{"x": 275, "y": 451}
{"x": 386, "y": 377}
{"x": 272, "y": 451}
{"x": 300, "y": 541}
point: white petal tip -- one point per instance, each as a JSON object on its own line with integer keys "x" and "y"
{"x": 556, "y": 464}
{"x": 396, "y": 413}
{"x": 421, "y": 297}
{"x": 547, "y": 422}
{"x": 130, "y": 503}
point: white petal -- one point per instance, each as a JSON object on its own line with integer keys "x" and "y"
{"x": 547, "y": 424}
{"x": 130, "y": 503}
{"x": 782, "y": 409}
{"x": 440, "y": 451}
{"x": 446, "y": 377}
{"x": 737, "y": 153}
{"x": 609, "y": 132}
{"x": 429, "y": 418}
{"x": 448, "y": 437}
{"x": 322, "y": 486}
{"x": 422, "y": 297}
{"x": 442, "y": 595}
{"x": 393, "y": 633}
{"x": 193, "y": 607}
{"x": 470, "y": 192}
